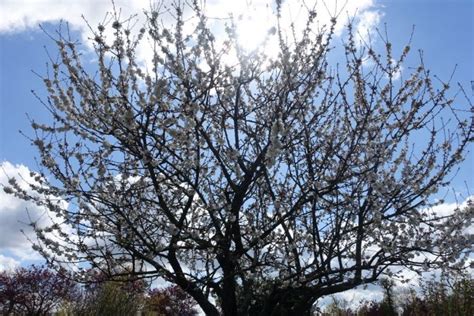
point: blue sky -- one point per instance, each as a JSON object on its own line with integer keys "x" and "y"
{"x": 443, "y": 29}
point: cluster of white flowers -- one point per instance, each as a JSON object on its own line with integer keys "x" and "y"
{"x": 276, "y": 132}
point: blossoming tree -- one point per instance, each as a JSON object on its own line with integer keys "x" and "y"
{"x": 256, "y": 183}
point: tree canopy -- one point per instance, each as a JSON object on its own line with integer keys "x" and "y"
{"x": 256, "y": 182}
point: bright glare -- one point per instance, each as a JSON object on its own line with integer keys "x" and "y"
{"x": 251, "y": 31}
{"x": 253, "y": 19}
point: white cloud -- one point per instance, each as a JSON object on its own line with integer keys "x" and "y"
{"x": 368, "y": 21}
{"x": 16, "y": 214}
{"x": 446, "y": 209}
{"x": 8, "y": 263}
{"x": 257, "y": 16}
{"x": 19, "y": 15}
{"x": 353, "y": 298}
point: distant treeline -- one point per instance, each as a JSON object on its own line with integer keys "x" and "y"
{"x": 40, "y": 291}
{"x": 444, "y": 296}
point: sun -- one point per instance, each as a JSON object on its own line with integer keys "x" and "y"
{"x": 252, "y": 31}
{"x": 253, "y": 20}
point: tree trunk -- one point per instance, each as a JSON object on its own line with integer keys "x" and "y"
{"x": 287, "y": 303}
{"x": 229, "y": 297}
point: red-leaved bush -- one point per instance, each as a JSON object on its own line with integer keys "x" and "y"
{"x": 35, "y": 290}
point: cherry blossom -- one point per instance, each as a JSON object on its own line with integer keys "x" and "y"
{"x": 259, "y": 185}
